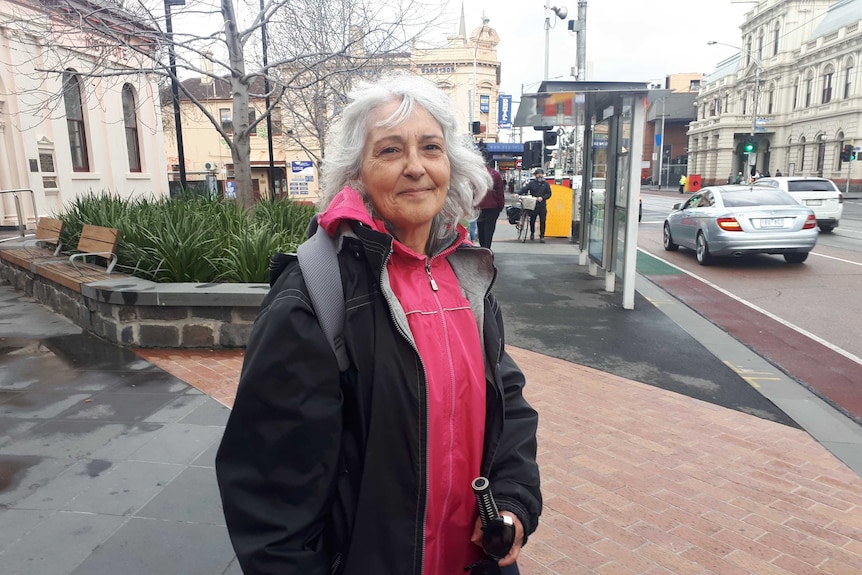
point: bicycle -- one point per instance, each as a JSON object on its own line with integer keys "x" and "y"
{"x": 528, "y": 206}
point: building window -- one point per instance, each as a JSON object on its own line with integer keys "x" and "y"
{"x": 761, "y": 41}
{"x": 75, "y": 122}
{"x": 848, "y": 79}
{"x": 795, "y": 94}
{"x": 130, "y": 122}
{"x": 694, "y": 86}
{"x": 46, "y": 166}
{"x": 726, "y": 102}
{"x": 809, "y": 89}
{"x": 226, "y": 119}
{"x": 776, "y": 36}
{"x": 770, "y": 100}
{"x": 744, "y": 104}
{"x": 827, "y": 85}
{"x": 748, "y": 51}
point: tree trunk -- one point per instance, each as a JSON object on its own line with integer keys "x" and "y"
{"x": 240, "y": 148}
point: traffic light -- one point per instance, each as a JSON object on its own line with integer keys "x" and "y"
{"x": 852, "y": 153}
{"x": 846, "y": 152}
{"x": 476, "y": 127}
{"x": 532, "y": 157}
{"x": 550, "y": 138}
{"x": 750, "y": 146}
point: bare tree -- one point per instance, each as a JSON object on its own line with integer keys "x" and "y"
{"x": 317, "y": 48}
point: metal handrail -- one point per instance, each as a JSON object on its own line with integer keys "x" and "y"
{"x": 21, "y": 224}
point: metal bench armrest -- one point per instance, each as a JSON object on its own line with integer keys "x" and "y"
{"x": 111, "y": 265}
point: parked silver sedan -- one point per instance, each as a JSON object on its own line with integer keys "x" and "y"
{"x": 740, "y": 220}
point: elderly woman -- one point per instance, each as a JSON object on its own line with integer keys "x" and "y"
{"x": 369, "y": 471}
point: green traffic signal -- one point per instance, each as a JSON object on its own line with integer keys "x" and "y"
{"x": 748, "y": 148}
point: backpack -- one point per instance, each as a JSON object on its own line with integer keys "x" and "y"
{"x": 318, "y": 262}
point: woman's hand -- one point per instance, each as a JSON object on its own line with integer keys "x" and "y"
{"x": 512, "y": 556}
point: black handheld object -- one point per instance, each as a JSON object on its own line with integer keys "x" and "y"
{"x": 498, "y": 531}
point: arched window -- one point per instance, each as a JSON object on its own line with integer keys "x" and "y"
{"x": 776, "y": 35}
{"x": 130, "y": 123}
{"x": 828, "y": 73}
{"x": 848, "y": 78}
{"x": 770, "y": 98}
{"x": 761, "y": 41}
{"x": 748, "y": 51}
{"x": 809, "y": 88}
{"x": 795, "y": 94}
{"x": 75, "y": 122}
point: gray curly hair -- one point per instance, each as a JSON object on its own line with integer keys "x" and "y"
{"x": 345, "y": 142}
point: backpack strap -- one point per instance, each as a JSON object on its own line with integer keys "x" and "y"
{"x": 318, "y": 262}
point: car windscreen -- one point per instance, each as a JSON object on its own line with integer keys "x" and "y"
{"x": 757, "y": 197}
{"x": 810, "y": 186}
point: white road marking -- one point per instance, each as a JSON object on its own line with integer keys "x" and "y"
{"x": 837, "y": 259}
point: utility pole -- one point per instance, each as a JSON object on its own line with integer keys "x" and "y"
{"x": 661, "y": 142}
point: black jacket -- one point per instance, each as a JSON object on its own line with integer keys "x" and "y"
{"x": 539, "y": 190}
{"x": 316, "y": 469}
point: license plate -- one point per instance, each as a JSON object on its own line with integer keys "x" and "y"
{"x": 772, "y": 223}
{"x": 813, "y": 202}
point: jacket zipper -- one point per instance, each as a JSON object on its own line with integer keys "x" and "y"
{"x": 425, "y": 388}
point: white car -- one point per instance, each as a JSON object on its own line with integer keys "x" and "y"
{"x": 819, "y": 194}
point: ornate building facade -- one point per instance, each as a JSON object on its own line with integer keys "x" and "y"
{"x": 792, "y": 90}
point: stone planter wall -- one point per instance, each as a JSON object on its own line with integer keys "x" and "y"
{"x": 135, "y": 312}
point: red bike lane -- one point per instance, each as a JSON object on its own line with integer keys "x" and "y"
{"x": 829, "y": 374}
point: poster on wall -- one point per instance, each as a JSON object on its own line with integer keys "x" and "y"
{"x": 301, "y": 175}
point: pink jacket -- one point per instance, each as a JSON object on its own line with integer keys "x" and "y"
{"x": 446, "y": 337}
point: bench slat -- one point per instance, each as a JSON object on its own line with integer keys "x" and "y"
{"x": 49, "y": 230}
{"x": 95, "y": 239}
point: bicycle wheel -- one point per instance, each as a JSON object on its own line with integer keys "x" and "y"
{"x": 525, "y": 222}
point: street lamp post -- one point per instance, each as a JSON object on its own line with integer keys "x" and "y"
{"x": 758, "y": 67}
{"x": 175, "y": 90}
{"x": 263, "y": 39}
{"x": 661, "y": 148}
{"x": 485, "y": 21}
{"x": 561, "y": 13}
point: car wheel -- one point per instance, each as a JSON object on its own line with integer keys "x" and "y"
{"x": 667, "y": 240}
{"x": 703, "y": 256}
{"x": 795, "y": 257}
{"x": 826, "y": 229}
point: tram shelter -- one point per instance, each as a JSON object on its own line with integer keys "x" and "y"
{"x": 608, "y": 120}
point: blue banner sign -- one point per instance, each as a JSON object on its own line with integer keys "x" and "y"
{"x": 300, "y": 166}
{"x": 484, "y": 104}
{"x": 504, "y": 111}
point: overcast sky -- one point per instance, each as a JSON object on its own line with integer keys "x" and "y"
{"x": 627, "y": 40}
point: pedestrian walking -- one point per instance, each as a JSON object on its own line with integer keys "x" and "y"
{"x": 490, "y": 206}
{"x": 541, "y": 190}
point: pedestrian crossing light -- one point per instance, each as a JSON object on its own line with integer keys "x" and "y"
{"x": 848, "y": 154}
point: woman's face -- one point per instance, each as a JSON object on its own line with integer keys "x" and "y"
{"x": 405, "y": 171}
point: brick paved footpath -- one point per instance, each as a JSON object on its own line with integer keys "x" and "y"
{"x": 637, "y": 480}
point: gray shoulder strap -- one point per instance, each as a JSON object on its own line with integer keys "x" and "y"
{"x": 319, "y": 264}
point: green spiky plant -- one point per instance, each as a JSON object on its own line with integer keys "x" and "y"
{"x": 191, "y": 238}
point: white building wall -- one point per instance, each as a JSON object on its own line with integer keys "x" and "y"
{"x": 32, "y": 120}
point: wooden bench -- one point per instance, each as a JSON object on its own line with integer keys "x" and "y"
{"x": 48, "y": 232}
{"x": 95, "y": 241}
